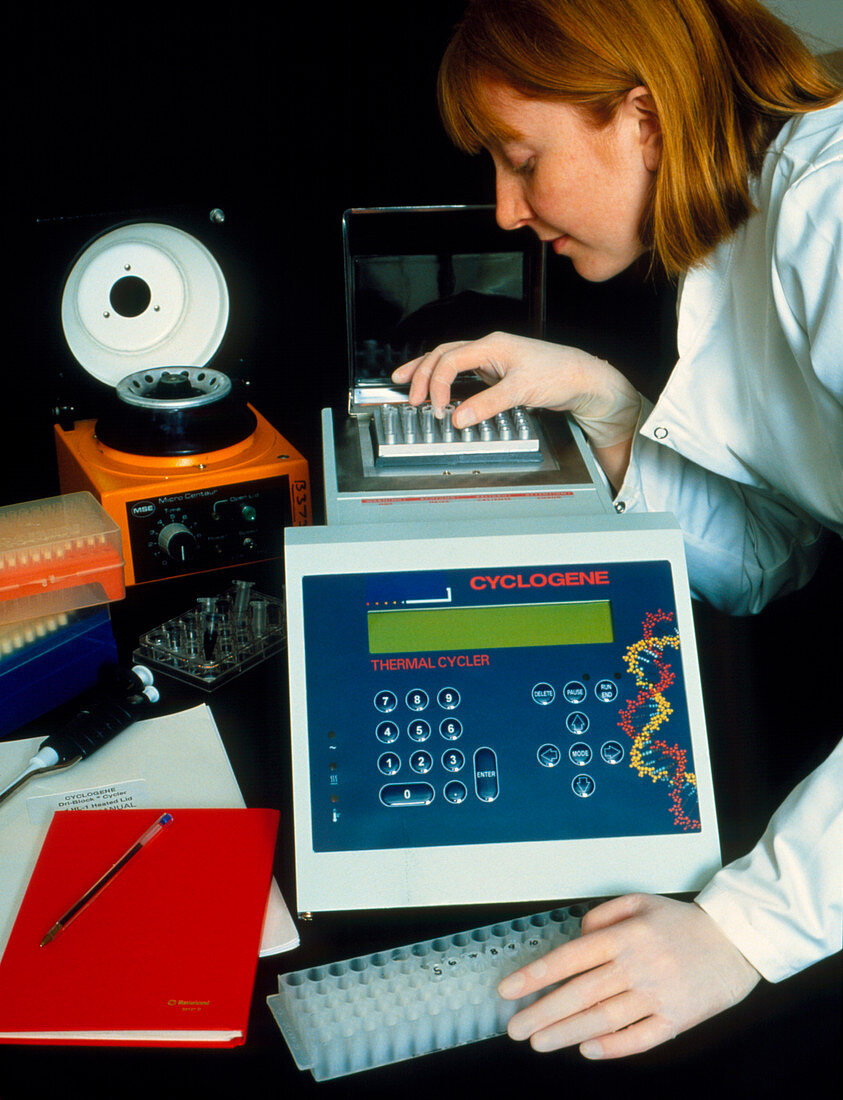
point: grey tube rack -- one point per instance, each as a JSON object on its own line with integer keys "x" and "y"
{"x": 408, "y": 435}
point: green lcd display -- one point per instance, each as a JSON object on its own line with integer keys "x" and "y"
{"x": 515, "y": 626}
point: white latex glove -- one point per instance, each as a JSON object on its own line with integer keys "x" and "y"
{"x": 644, "y": 969}
{"x": 531, "y": 373}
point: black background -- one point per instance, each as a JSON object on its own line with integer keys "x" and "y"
{"x": 284, "y": 120}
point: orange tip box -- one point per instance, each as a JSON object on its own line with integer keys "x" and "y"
{"x": 56, "y": 555}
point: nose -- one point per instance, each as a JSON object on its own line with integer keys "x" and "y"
{"x": 512, "y": 211}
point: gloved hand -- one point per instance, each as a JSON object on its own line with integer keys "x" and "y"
{"x": 532, "y": 373}
{"x": 644, "y": 969}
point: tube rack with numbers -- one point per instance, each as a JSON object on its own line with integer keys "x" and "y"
{"x": 377, "y": 1009}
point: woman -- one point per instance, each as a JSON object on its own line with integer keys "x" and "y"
{"x": 701, "y": 133}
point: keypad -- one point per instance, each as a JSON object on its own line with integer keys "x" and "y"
{"x": 570, "y": 711}
{"x": 422, "y": 761}
{"x": 578, "y": 723}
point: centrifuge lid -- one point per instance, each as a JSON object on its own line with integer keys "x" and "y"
{"x": 144, "y": 295}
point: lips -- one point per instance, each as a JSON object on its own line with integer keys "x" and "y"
{"x": 559, "y": 243}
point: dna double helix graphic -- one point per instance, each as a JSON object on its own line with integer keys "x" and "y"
{"x": 650, "y": 710}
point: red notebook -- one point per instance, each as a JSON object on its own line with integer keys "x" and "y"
{"x": 165, "y": 954}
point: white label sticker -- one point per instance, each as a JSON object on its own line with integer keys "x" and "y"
{"x": 130, "y": 795}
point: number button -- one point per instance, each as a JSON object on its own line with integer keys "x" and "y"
{"x": 386, "y": 701}
{"x": 413, "y": 794}
{"x": 387, "y": 732}
{"x": 453, "y": 760}
{"x": 451, "y": 729}
{"x": 389, "y": 763}
{"x": 417, "y": 699}
{"x": 421, "y": 762}
{"x": 448, "y": 698}
{"x": 419, "y": 730}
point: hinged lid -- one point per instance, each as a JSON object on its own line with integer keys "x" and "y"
{"x": 416, "y": 277}
{"x": 140, "y": 296}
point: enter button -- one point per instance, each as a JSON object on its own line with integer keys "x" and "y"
{"x": 486, "y": 775}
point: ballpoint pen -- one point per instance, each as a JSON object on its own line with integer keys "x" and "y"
{"x": 89, "y": 895}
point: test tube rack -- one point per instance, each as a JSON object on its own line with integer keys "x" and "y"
{"x": 377, "y": 1009}
{"x": 405, "y": 434}
{"x": 217, "y": 639}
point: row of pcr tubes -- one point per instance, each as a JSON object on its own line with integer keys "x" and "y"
{"x": 411, "y": 424}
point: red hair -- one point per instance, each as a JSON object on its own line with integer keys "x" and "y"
{"x": 724, "y": 76}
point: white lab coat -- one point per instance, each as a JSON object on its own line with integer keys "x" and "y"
{"x": 745, "y": 447}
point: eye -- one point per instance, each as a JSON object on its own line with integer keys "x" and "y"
{"x": 525, "y": 168}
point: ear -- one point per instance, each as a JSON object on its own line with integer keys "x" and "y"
{"x": 640, "y": 108}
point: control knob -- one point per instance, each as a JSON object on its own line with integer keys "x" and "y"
{"x": 178, "y": 542}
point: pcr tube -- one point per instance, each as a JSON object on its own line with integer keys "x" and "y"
{"x": 408, "y": 415}
{"x": 259, "y": 618}
{"x": 389, "y": 421}
{"x": 241, "y": 598}
{"x": 428, "y": 429}
{"x": 504, "y": 425}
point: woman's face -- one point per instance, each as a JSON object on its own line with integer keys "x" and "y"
{"x": 583, "y": 189}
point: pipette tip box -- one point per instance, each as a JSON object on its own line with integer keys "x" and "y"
{"x": 57, "y": 555}
{"x": 50, "y": 659}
